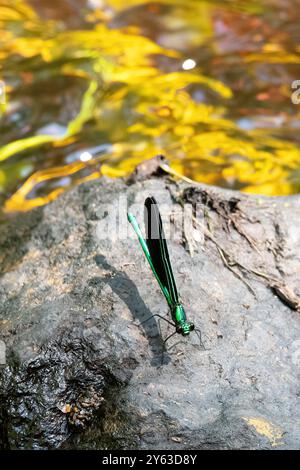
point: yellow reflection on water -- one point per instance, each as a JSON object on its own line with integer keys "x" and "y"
{"x": 205, "y": 83}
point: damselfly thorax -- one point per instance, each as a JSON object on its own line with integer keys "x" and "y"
{"x": 183, "y": 326}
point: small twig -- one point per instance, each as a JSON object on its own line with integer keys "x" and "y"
{"x": 237, "y": 274}
{"x": 286, "y": 295}
{"x": 225, "y": 256}
{"x": 165, "y": 167}
{"x": 242, "y": 232}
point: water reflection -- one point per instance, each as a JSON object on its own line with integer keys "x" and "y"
{"x": 206, "y": 83}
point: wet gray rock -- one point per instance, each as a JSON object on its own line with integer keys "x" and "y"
{"x": 81, "y": 373}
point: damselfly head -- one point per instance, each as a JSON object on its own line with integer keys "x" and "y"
{"x": 185, "y": 328}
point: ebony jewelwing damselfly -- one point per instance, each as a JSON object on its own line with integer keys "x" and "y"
{"x": 156, "y": 252}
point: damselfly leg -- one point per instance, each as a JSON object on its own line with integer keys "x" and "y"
{"x": 164, "y": 346}
{"x": 160, "y": 316}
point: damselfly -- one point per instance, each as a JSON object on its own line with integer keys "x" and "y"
{"x": 156, "y": 252}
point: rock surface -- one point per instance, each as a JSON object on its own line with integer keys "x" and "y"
{"x": 81, "y": 373}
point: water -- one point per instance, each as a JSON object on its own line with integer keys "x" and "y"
{"x": 95, "y": 87}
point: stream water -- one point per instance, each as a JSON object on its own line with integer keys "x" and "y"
{"x": 93, "y": 87}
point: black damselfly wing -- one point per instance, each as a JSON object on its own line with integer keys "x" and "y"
{"x": 157, "y": 245}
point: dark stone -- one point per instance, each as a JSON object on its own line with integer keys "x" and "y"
{"x": 81, "y": 372}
